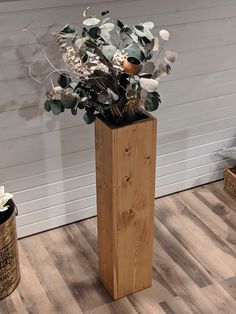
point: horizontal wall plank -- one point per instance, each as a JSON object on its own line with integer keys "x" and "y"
{"x": 14, "y": 6}
{"x": 186, "y": 184}
{"x": 192, "y": 152}
{"x": 61, "y": 174}
{"x": 58, "y": 142}
{"x": 17, "y": 20}
{"x": 57, "y": 210}
{"x": 185, "y": 164}
{"x": 54, "y": 188}
{"x": 24, "y": 126}
{"x": 181, "y": 68}
{"x": 28, "y": 93}
{"x": 191, "y": 173}
{"x": 87, "y": 191}
{"x": 88, "y": 212}
{"x": 54, "y": 200}
{"x": 74, "y": 205}
{"x": 36, "y": 184}
{"x": 185, "y": 169}
{"x": 54, "y": 222}
{"x": 191, "y": 34}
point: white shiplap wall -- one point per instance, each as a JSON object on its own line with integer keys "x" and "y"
{"x": 48, "y": 162}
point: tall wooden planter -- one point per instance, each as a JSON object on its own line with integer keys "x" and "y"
{"x": 125, "y": 174}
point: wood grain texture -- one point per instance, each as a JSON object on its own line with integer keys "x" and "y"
{"x": 125, "y": 170}
{"x": 193, "y": 264}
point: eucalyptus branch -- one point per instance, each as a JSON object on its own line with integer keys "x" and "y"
{"x": 60, "y": 71}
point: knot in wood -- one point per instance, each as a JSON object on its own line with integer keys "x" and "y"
{"x": 126, "y": 179}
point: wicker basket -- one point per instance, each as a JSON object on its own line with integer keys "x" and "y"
{"x": 230, "y": 181}
{"x": 9, "y": 260}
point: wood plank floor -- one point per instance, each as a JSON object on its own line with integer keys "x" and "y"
{"x": 194, "y": 263}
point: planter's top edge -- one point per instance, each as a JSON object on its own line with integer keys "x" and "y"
{"x": 147, "y": 117}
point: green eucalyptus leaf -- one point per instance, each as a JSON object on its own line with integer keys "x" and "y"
{"x": 73, "y": 111}
{"x": 113, "y": 95}
{"x": 105, "y": 13}
{"x": 134, "y": 79}
{"x": 109, "y": 51}
{"x": 104, "y": 99}
{"x": 47, "y": 105}
{"x": 105, "y": 20}
{"x": 143, "y": 33}
{"x": 120, "y": 24}
{"x": 62, "y": 108}
{"x": 107, "y": 26}
{"x": 106, "y": 35}
{"x": 99, "y": 108}
{"x": 134, "y": 50}
{"x": 90, "y": 54}
{"x": 80, "y": 41}
{"x": 73, "y": 85}
{"x": 89, "y": 117}
{"x": 139, "y": 27}
{"x": 56, "y": 106}
{"x": 140, "y": 33}
{"x": 152, "y": 101}
{"x": 68, "y": 100}
{"x": 148, "y": 34}
{"x": 89, "y": 43}
{"x": 80, "y": 105}
{"x": 149, "y": 46}
{"x": 145, "y": 41}
{"x": 64, "y": 80}
{"x": 92, "y": 21}
{"x": 134, "y": 37}
{"x": 68, "y": 29}
{"x": 148, "y": 25}
{"x": 94, "y": 32}
{"x": 126, "y": 39}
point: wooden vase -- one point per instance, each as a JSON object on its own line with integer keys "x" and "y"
{"x": 125, "y": 175}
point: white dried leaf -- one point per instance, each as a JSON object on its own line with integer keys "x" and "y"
{"x": 1, "y": 190}
{"x": 85, "y": 12}
{"x": 57, "y": 89}
{"x": 170, "y": 56}
{"x": 92, "y": 21}
{"x": 156, "y": 44}
{"x": 4, "y": 198}
{"x": 149, "y": 85}
{"x": 164, "y": 34}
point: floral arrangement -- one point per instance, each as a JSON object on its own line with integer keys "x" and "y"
{"x": 111, "y": 69}
{"x": 4, "y": 198}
